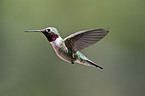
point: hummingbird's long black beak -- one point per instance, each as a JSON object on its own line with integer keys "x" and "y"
{"x": 34, "y": 31}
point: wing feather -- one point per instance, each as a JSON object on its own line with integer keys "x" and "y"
{"x": 83, "y": 39}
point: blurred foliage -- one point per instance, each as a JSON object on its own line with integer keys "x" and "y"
{"x": 29, "y": 66}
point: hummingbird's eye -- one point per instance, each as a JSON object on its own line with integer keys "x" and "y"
{"x": 48, "y": 30}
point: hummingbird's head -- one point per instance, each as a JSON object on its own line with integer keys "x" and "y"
{"x": 51, "y": 33}
{"x": 51, "y": 30}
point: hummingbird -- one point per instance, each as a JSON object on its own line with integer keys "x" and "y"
{"x": 68, "y": 49}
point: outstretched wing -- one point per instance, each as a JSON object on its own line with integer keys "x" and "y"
{"x": 83, "y": 39}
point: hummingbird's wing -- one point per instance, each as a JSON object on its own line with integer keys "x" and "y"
{"x": 83, "y": 39}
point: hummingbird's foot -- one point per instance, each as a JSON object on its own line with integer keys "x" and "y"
{"x": 72, "y": 62}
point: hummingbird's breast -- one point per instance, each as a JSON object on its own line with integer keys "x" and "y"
{"x": 61, "y": 50}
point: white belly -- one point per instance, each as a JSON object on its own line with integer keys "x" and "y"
{"x": 60, "y": 49}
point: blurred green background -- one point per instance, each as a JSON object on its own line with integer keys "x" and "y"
{"x": 29, "y": 66}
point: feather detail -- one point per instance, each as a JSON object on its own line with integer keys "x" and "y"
{"x": 83, "y": 39}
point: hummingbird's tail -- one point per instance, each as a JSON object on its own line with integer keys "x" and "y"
{"x": 94, "y": 64}
{"x": 85, "y": 61}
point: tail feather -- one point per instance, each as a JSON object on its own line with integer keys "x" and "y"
{"x": 94, "y": 64}
{"x": 85, "y": 61}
